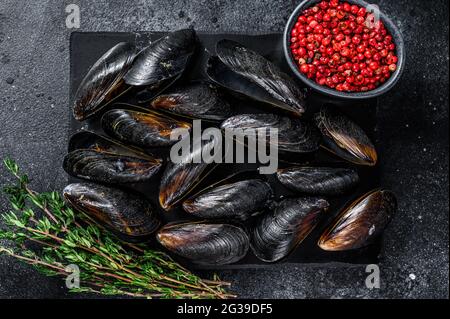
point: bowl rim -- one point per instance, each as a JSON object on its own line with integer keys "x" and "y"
{"x": 385, "y": 87}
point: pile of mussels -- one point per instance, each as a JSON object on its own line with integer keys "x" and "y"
{"x": 222, "y": 236}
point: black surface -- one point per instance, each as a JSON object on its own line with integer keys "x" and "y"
{"x": 86, "y": 48}
{"x": 412, "y": 127}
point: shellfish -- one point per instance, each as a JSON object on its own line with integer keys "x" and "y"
{"x": 239, "y": 200}
{"x": 180, "y": 177}
{"x": 359, "y": 224}
{"x": 130, "y": 216}
{"x": 344, "y": 138}
{"x": 104, "y": 81}
{"x": 277, "y": 233}
{"x": 205, "y": 243}
{"x": 294, "y": 135}
{"x": 197, "y": 100}
{"x": 318, "y": 180}
{"x": 162, "y": 62}
{"x": 247, "y": 73}
{"x": 143, "y": 129}
{"x": 97, "y": 158}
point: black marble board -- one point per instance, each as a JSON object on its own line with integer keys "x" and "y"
{"x": 86, "y": 48}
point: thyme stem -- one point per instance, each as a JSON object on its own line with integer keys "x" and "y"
{"x": 107, "y": 265}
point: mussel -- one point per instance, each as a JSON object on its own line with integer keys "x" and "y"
{"x": 205, "y": 243}
{"x": 239, "y": 201}
{"x": 180, "y": 177}
{"x": 97, "y": 158}
{"x": 143, "y": 129}
{"x": 318, "y": 180}
{"x": 344, "y": 138}
{"x": 130, "y": 216}
{"x": 104, "y": 81}
{"x": 196, "y": 100}
{"x": 162, "y": 62}
{"x": 294, "y": 135}
{"x": 247, "y": 73}
{"x": 276, "y": 234}
{"x": 359, "y": 224}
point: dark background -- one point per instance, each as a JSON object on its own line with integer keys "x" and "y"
{"x": 412, "y": 124}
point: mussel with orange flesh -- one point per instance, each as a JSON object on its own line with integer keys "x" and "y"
{"x": 104, "y": 81}
{"x": 128, "y": 215}
{"x": 205, "y": 243}
{"x": 359, "y": 224}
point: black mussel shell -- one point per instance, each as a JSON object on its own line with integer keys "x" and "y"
{"x": 318, "y": 180}
{"x": 205, "y": 243}
{"x": 130, "y": 216}
{"x": 294, "y": 135}
{"x": 105, "y": 167}
{"x": 276, "y": 234}
{"x": 180, "y": 177}
{"x": 163, "y": 61}
{"x": 240, "y": 200}
{"x": 98, "y": 158}
{"x": 93, "y": 141}
{"x": 247, "y": 73}
{"x": 141, "y": 129}
{"x": 104, "y": 81}
{"x": 344, "y": 138}
{"x": 197, "y": 100}
{"x": 359, "y": 224}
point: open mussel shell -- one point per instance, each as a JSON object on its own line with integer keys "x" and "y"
{"x": 247, "y": 73}
{"x": 294, "y": 135}
{"x": 205, "y": 243}
{"x": 318, "y": 180}
{"x": 104, "y": 81}
{"x": 97, "y": 158}
{"x": 197, "y": 100}
{"x": 142, "y": 129}
{"x": 181, "y": 176}
{"x": 277, "y": 233}
{"x": 162, "y": 62}
{"x": 359, "y": 224}
{"x": 345, "y": 138}
{"x": 238, "y": 201}
{"x": 130, "y": 216}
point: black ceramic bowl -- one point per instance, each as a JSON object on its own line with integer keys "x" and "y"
{"x": 386, "y": 86}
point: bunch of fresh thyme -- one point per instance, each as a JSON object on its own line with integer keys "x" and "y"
{"x": 108, "y": 266}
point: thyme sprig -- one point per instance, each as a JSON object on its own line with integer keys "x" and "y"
{"x": 59, "y": 236}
